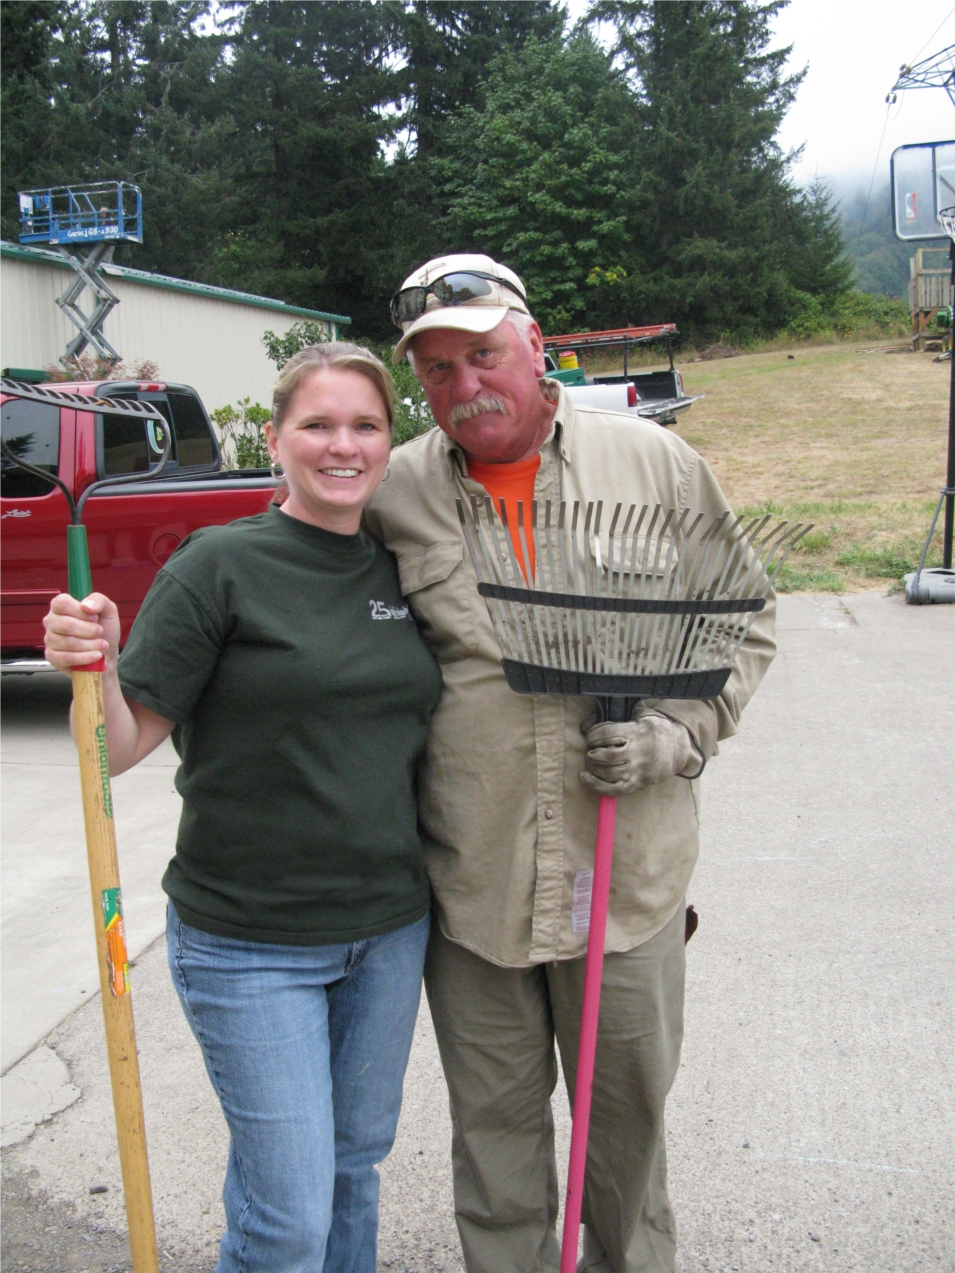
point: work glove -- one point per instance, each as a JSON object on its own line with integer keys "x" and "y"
{"x": 626, "y": 756}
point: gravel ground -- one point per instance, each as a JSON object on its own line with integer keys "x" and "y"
{"x": 46, "y": 1237}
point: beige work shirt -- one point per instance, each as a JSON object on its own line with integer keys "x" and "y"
{"x": 508, "y": 827}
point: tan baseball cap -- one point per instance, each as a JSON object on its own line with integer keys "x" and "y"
{"x": 478, "y": 314}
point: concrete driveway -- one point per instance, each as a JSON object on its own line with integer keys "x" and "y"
{"x": 812, "y": 1122}
{"x": 49, "y": 957}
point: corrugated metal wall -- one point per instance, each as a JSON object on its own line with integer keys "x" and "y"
{"x": 213, "y": 345}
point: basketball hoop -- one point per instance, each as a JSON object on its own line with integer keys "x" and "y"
{"x": 937, "y": 583}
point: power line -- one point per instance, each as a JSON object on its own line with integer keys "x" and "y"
{"x": 875, "y": 169}
{"x": 933, "y": 35}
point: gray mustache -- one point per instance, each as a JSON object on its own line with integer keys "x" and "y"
{"x": 477, "y": 406}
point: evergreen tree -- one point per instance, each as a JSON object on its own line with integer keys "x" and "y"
{"x": 320, "y": 93}
{"x": 715, "y": 207}
{"x": 539, "y": 178}
{"x": 818, "y": 264}
{"x": 447, "y": 46}
{"x": 27, "y": 32}
{"x": 123, "y": 93}
{"x": 444, "y": 49}
{"x": 317, "y": 152}
{"x": 183, "y": 129}
{"x": 309, "y": 86}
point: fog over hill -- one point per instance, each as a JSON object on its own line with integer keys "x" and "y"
{"x": 881, "y": 261}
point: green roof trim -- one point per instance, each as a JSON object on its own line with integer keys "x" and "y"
{"x": 17, "y": 251}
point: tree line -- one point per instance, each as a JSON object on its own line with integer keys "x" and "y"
{"x": 318, "y": 151}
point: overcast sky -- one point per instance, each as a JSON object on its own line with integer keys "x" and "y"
{"x": 854, "y": 49}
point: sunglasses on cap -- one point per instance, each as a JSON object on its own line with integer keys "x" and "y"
{"x": 451, "y": 289}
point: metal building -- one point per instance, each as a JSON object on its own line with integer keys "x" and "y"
{"x": 207, "y": 337}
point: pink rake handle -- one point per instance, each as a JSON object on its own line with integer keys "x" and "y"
{"x": 590, "y": 1012}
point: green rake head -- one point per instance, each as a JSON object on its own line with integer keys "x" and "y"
{"x": 656, "y": 606}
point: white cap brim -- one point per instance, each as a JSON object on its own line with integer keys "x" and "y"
{"x": 467, "y": 318}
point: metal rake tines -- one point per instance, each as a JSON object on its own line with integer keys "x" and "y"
{"x": 659, "y": 593}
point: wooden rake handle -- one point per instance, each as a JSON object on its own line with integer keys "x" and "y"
{"x": 89, "y": 723}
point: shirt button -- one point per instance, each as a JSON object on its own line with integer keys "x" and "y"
{"x": 548, "y": 813}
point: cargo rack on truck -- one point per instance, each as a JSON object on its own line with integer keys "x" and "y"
{"x": 619, "y": 338}
{"x": 656, "y": 395}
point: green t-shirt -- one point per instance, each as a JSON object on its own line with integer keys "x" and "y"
{"x": 304, "y": 693}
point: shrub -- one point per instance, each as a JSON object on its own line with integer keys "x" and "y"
{"x": 848, "y": 313}
{"x": 243, "y": 434}
{"x": 299, "y": 336}
{"x": 412, "y": 413}
{"x": 92, "y": 367}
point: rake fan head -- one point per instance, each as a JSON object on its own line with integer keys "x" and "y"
{"x": 655, "y": 607}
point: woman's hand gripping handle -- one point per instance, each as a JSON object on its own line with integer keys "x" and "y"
{"x": 78, "y": 635}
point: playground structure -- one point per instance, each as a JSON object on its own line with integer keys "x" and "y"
{"x": 930, "y": 290}
{"x": 100, "y": 215}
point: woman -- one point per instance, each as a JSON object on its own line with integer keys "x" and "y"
{"x": 279, "y": 649}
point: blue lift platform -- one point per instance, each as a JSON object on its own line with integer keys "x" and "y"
{"x": 72, "y": 217}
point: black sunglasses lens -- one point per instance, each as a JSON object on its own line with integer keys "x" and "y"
{"x": 408, "y": 305}
{"x": 455, "y": 289}
{"x": 452, "y": 289}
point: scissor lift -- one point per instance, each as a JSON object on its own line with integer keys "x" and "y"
{"x": 66, "y": 217}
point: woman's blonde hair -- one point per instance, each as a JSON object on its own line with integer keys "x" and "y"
{"x": 335, "y": 355}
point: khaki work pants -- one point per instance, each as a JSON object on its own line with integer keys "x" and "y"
{"x": 496, "y": 1029}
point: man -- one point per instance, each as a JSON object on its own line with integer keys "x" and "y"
{"x": 508, "y": 819}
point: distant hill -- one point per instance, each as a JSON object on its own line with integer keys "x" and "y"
{"x": 881, "y": 261}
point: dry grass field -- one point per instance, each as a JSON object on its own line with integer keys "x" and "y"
{"x": 853, "y": 442}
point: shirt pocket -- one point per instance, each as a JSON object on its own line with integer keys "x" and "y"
{"x": 648, "y": 564}
{"x": 439, "y": 591}
{"x": 636, "y": 642}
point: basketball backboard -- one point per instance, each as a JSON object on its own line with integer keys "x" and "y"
{"x": 923, "y": 183}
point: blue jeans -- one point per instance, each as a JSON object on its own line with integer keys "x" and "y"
{"x": 306, "y": 1047}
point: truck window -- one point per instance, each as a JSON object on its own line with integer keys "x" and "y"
{"x": 125, "y": 445}
{"x": 32, "y": 432}
{"x": 193, "y": 438}
{"x": 193, "y": 444}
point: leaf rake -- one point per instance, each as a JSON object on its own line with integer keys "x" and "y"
{"x": 658, "y": 607}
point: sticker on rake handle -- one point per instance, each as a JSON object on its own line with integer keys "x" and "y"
{"x": 117, "y": 960}
{"x": 580, "y": 908}
{"x": 102, "y": 756}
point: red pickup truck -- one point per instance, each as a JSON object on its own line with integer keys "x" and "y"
{"x": 133, "y": 529}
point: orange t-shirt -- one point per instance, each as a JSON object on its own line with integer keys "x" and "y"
{"x": 511, "y": 483}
